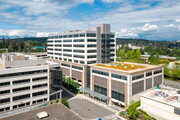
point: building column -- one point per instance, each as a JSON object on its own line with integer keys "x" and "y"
{"x": 32, "y": 92}
{"x": 70, "y": 71}
{"x": 109, "y": 91}
{"x": 144, "y": 81}
{"x": 60, "y": 94}
{"x": 162, "y": 75}
{"x": 91, "y": 80}
{"x": 11, "y": 98}
{"x": 152, "y": 78}
{"x": 129, "y": 89}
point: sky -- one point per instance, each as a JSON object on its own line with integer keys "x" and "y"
{"x": 145, "y": 19}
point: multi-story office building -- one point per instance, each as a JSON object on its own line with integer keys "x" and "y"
{"x": 111, "y": 83}
{"x": 26, "y": 80}
{"x": 114, "y": 83}
{"x": 93, "y": 45}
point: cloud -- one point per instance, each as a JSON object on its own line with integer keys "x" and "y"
{"x": 170, "y": 26}
{"x": 16, "y": 32}
{"x": 39, "y": 17}
{"x": 177, "y": 20}
{"x": 42, "y": 34}
{"x": 127, "y": 33}
{"x": 148, "y": 27}
{"x": 111, "y": 1}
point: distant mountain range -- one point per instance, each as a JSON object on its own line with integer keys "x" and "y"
{"x": 40, "y": 39}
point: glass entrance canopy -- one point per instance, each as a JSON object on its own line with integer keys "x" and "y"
{"x": 94, "y": 94}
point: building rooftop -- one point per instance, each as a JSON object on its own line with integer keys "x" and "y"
{"x": 55, "y": 112}
{"x": 166, "y": 95}
{"x": 126, "y": 67}
{"x": 121, "y": 66}
{"x": 14, "y": 60}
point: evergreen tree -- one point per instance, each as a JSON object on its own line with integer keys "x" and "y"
{"x": 10, "y": 47}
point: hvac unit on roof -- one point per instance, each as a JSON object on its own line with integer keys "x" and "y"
{"x": 156, "y": 94}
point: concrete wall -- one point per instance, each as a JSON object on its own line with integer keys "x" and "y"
{"x": 166, "y": 112}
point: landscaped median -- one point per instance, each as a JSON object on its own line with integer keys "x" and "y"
{"x": 134, "y": 113}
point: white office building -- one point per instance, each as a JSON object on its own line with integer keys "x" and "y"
{"x": 24, "y": 80}
{"x": 93, "y": 45}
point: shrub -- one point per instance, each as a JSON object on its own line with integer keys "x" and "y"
{"x": 57, "y": 101}
{"x": 65, "y": 102}
{"x": 121, "y": 113}
{"x": 147, "y": 117}
{"x": 153, "y": 118}
{"x": 51, "y": 102}
{"x": 143, "y": 112}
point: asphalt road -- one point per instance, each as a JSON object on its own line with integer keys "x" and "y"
{"x": 173, "y": 84}
{"x": 89, "y": 110}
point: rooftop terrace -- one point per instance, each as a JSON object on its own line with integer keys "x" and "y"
{"x": 122, "y": 66}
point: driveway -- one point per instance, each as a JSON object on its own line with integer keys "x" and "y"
{"x": 89, "y": 110}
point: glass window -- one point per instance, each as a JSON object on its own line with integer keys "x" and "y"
{"x": 82, "y": 35}
{"x": 78, "y": 45}
{"x": 119, "y": 76}
{"x": 78, "y": 40}
{"x": 76, "y": 35}
{"x": 70, "y": 36}
{"x": 100, "y": 72}
{"x": 91, "y": 40}
{"x": 66, "y": 65}
{"x": 91, "y": 45}
{"x": 21, "y": 97}
{"x": 157, "y": 71}
{"x": 91, "y": 34}
{"x": 137, "y": 77}
{"x": 78, "y": 56}
{"x": 100, "y": 90}
{"x": 39, "y": 93}
{"x": 64, "y": 36}
{"x": 91, "y": 56}
{"x": 148, "y": 74}
{"x": 117, "y": 96}
{"x": 4, "y": 100}
{"x": 4, "y": 92}
{"x": 77, "y": 67}
{"x": 67, "y": 40}
{"x": 78, "y": 51}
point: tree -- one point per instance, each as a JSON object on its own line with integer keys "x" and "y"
{"x": 132, "y": 111}
{"x": 122, "y": 53}
{"x": 154, "y": 59}
{"x": 19, "y": 49}
{"x": 142, "y": 51}
{"x": 128, "y": 55}
{"x": 10, "y": 47}
{"x": 138, "y": 54}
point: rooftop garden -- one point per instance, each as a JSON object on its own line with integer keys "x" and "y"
{"x": 121, "y": 66}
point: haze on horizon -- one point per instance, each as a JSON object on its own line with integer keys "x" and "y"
{"x": 146, "y": 19}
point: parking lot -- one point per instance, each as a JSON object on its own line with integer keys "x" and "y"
{"x": 89, "y": 110}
